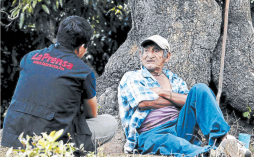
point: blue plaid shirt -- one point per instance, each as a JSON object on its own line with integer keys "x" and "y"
{"x": 135, "y": 87}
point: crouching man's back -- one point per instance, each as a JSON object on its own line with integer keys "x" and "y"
{"x": 56, "y": 90}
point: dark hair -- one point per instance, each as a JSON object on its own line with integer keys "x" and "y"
{"x": 151, "y": 43}
{"x": 73, "y": 32}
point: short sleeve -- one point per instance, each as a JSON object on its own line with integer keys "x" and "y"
{"x": 89, "y": 86}
{"x": 23, "y": 61}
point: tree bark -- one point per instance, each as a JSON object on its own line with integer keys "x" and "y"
{"x": 193, "y": 29}
{"x": 238, "y": 83}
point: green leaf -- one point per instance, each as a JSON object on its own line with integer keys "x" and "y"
{"x": 54, "y": 7}
{"x": 13, "y": 3}
{"x": 246, "y": 114}
{"x": 249, "y": 109}
{"x": 45, "y": 8}
{"x": 34, "y": 3}
{"x": 57, "y": 135}
{"x": 14, "y": 13}
{"x": 21, "y": 20}
{"x": 120, "y": 6}
{"x": 31, "y": 9}
{"x": 27, "y": 5}
{"x": 57, "y": 4}
{"x": 13, "y": 9}
{"x": 112, "y": 9}
{"x": 39, "y": 0}
{"x": 61, "y": 3}
{"x": 31, "y": 25}
{"x": 118, "y": 11}
{"x": 48, "y": 2}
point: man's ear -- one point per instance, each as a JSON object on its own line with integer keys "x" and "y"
{"x": 168, "y": 57}
{"x": 81, "y": 51}
{"x": 140, "y": 55}
{"x": 83, "y": 48}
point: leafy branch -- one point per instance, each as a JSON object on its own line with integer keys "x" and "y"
{"x": 14, "y": 13}
{"x": 25, "y": 8}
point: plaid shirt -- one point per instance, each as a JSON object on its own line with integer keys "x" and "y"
{"x": 135, "y": 87}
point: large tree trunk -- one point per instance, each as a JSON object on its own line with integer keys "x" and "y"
{"x": 193, "y": 29}
{"x": 238, "y": 83}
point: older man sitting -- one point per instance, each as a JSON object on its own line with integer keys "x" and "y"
{"x": 161, "y": 116}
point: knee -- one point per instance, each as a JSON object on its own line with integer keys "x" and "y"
{"x": 201, "y": 87}
{"x": 110, "y": 120}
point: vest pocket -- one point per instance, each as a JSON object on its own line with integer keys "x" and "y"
{"x": 35, "y": 110}
{"x": 28, "y": 118}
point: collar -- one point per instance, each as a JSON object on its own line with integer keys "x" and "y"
{"x": 146, "y": 73}
{"x": 62, "y": 48}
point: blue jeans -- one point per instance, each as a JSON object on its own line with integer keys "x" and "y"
{"x": 178, "y": 137}
{"x": 201, "y": 111}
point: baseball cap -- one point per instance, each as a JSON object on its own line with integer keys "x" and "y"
{"x": 159, "y": 40}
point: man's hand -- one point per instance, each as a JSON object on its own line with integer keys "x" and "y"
{"x": 166, "y": 98}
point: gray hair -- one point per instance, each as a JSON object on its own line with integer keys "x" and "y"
{"x": 165, "y": 53}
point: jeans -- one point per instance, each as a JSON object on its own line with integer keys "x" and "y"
{"x": 201, "y": 111}
{"x": 103, "y": 128}
{"x": 178, "y": 137}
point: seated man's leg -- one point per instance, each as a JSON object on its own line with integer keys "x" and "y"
{"x": 201, "y": 110}
{"x": 103, "y": 128}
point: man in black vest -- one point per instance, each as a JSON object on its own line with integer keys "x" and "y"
{"x": 56, "y": 90}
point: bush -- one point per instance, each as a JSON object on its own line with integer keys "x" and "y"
{"x": 44, "y": 146}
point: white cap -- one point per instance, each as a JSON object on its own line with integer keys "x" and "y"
{"x": 159, "y": 40}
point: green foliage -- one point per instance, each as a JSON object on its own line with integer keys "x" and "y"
{"x": 44, "y": 146}
{"x": 45, "y": 8}
{"x": 111, "y": 20}
{"x": 22, "y": 18}
{"x": 247, "y": 114}
{"x": 30, "y": 28}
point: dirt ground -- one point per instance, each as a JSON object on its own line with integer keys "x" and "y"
{"x": 114, "y": 148}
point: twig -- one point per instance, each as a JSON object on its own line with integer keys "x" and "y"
{"x": 236, "y": 124}
{"x": 223, "y": 52}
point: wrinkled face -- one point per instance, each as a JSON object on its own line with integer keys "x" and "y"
{"x": 152, "y": 58}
